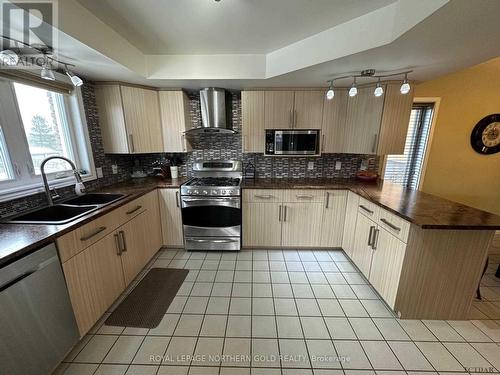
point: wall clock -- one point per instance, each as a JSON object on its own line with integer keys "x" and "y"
{"x": 485, "y": 137}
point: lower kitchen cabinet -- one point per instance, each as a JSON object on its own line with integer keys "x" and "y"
{"x": 135, "y": 245}
{"x": 95, "y": 279}
{"x": 261, "y": 224}
{"x": 386, "y": 265}
{"x": 351, "y": 215}
{"x": 362, "y": 250}
{"x": 171, "y": 218}
{"x": 301, "y": 224}
{"x": 334, "y": 214}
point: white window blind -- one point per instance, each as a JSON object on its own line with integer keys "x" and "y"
{"x": 406, "y": 169}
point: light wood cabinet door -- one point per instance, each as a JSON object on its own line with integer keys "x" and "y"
{"x": 308, "y": 109}
{"x": 364, "y": 113}
{"x": 261, "y": 224}
{"x": 135, "y": 243}
{"x": 332, "y": 225}
{"x": 252, "y": 118}
{"x": 111, "y": 119}
{"x": 171, "y": 218}
{"x": 302, "y": 224}
{"x": 278, "y": 113}
{"x": 334, "y": 127}
{"x": 395, "y": 120}
{"x": 142, "y": 119}
{"x": 175, "y": 120}
{"x": 153, "y": 218}
{"x": 351, "y": 216}
{"x": 362, "y": 252}
{"x": 386, "y": 265}
{"x": 95, "y": 279}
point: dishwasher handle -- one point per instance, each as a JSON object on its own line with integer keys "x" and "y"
{"x": 19, "y": 277}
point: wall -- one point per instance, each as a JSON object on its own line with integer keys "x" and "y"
{"x": 454, "y": 170}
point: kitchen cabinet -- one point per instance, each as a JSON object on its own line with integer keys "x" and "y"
{"x": 351, "y": 215}
{"x": 308, "y": 109}
{"x": 261, "y": 224}
{"x": 175, "y": 120}
{"x": 252, "y": 116}
{"x": 386, "y": 265}
{"x": 301, "y": 224}
{"x": 334, "y": 217}
{"x": 171, "y": 218}
{"x": 134, "y": 243}
{"x": 334, "y": 125}
{"x": 129, "y": 119}
{"x": 362, "y": 251}
{"x": 278, "y": 110}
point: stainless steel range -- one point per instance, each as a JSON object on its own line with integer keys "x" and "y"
{"x": 211, "y": 206}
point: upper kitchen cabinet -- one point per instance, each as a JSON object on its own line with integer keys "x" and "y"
{"x": 278, "y": 112}
{"x": 175, "y": 120}
{"x": 252, "y": 116}
{"x": 129, "y": 119}
{"x": 334, "y": 127}
{"x": 308, "y": 109}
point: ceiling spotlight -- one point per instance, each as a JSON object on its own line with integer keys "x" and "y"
{"x": 405, "y": 87}
{"x": 353, "y": 91}
{"x": 330, "y": 93}
{"x": 9, "y": 57}
{"x": 379, "y": 90}
{"x": 47, "y": 72}
{"x": 75, "y": 80}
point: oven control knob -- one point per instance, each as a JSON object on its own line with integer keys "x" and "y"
{"x": 195, "y": 192}
{"x": 214, "y": 192}
{"x": 205, "y": 192}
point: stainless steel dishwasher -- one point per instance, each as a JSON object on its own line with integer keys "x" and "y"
{"x": 37, "y": 324}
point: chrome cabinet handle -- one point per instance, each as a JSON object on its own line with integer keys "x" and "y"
{"x": 284, "y": 215}
{"x": 133, "y": 210}
{"x": 327, "y": 199}
{"x": 215, "y": 241}
{"x": 95, "y": 233}
{"x": 177, "y": 199}
{"x": 374, "y": 148}
{"x": 304, "y": 196}
{"x": 118, "y": 245}
{"x": 366, "y": 209}
{"x": 263, "y": 196}
{"x": 398, "y": 229}
{"x": 370, "y": 236}
{"x": 131, "y": 141}
{"x": 279, "y": 214}
{"x": 323, "y": 143}
{"x": 294, "y": 118}
{"x": 123, "y": 241}
{"x": 375, "y": 239}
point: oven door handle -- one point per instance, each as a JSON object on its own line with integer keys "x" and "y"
{"x": 218, "y": 199}
{"x": 213, "y": 241}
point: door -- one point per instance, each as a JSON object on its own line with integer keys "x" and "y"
{"x": 334, "y": 128}
{"x": 386, "y": 265}
{"x": 95, "y": 279}
{"x": 171, "y": 219}
{"x": 252, "y": 117}
{"x": 334, "y": 211}
{"x": 278, "y": 113}
{"x": 155, "y": 239}
{"x": 142, "y": 119}
{"x": 175, "y": 120}
{"x": 261, "y": 224}
{"x": 302, "y": 224}
{"x": 364, "y": 113}
{"x": 308, "y": 109}
{"x": 362, "y": 251}
{"x": 351, "y": 216}
{"x": 134, "y": 243}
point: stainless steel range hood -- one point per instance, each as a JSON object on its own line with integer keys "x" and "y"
{"x": 216, "y": 114}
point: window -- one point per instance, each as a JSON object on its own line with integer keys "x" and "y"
{"x": 406, "y": 169}
{"x": 36, "y": 123}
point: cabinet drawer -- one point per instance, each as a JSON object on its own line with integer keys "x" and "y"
{"x": 262, "y": 195}
{"x": 394, "y": 224}
{"x": 369, "y": 209}
{"x": 304, "y": 195}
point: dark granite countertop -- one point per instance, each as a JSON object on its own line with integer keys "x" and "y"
{"x": 422, "y": 209}
{"x": 19, "y": 239}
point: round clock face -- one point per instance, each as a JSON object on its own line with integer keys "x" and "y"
{"x": 485, "y": 137}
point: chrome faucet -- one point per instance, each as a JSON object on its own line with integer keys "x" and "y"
{"x": 78, "y": 178}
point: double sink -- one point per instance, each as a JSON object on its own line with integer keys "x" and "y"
{"x": 68, "y": 210}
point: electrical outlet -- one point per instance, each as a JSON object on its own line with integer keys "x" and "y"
{"x": 99, "y": 172}
{"x": 338, "y": 165}
{"x": 114, "y": 169}
{"x": 310, "y": 166}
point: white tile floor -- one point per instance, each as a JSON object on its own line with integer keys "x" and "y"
{"x": 288, "y": 312}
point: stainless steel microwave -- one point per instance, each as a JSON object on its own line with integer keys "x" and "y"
{"x": 292, "y": 142}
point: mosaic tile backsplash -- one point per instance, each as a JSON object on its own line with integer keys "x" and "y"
{"x": 205, "y": 147}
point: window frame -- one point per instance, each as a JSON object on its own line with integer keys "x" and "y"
{"x": 26, "y": 182}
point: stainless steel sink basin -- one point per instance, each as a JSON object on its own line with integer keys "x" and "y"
{"x": 94, "y": 199}
{"x": 57, "y": 214}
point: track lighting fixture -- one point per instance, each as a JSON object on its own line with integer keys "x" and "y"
{"x": 9, "y": 57}
{"x": 353, "y": 91}
{"x": 330, "y": 93}
{"x": 47, "y": 72}
{"x": 379, "y": 90}
{"x": 405, "y": 87}
{"x": 75, "y": 80}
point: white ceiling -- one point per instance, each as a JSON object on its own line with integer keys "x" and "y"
{"x": 225, "y": 27}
